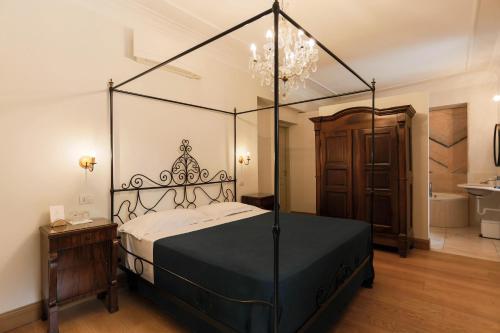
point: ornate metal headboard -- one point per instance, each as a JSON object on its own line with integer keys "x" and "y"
{"x": 183, "y": 181}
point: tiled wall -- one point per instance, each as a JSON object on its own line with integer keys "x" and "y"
{"x": 448, "y": 148}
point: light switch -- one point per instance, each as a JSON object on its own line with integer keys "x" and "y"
{"x": 85, "y": 199}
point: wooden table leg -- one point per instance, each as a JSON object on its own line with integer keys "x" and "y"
{"x": 112, "y": 295}
{"x": 45, "y": 310}
{"x": 52, "y": 307}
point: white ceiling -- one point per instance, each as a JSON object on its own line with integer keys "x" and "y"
{"x": 399, "y": 42}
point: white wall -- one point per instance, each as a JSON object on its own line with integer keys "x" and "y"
{"x": 56, "y": 59}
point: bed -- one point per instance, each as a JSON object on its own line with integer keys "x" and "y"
{"x": 240, "y": 272}
{"x": 231, "y": 255}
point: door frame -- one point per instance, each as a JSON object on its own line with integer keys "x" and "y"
{"x": 283, "y": 125}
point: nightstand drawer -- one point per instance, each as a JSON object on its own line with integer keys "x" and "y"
{"x": 79, "y": 239}
{"x": 87, "y": 255}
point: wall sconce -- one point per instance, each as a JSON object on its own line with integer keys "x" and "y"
{"x": 496, "y": 98}
{"x": 241, "y": 160}
{"x": 88, "y": 162}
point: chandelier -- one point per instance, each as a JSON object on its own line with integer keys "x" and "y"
{"x": 298, "y": 57}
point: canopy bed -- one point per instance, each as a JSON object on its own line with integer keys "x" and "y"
{"x": 214, "y": 266}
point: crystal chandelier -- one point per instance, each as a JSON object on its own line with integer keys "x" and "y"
{"x": 298, "y": 57}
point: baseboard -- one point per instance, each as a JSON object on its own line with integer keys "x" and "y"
{"x": 20, "y": 316}
{"x": 422, "y": 244}
{"x": 297, "y": 212}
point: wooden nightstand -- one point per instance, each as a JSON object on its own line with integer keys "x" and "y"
{"x": 78, "y": 261}
{"x": 261, "y": 200}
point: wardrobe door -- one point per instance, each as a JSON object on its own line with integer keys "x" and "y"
{"x": 336, "y": 173}
{"x": 386, "y": 178}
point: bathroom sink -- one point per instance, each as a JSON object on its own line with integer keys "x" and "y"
{"x": 480, "y": 190}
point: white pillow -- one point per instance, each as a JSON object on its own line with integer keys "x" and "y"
{"x": 222, "y": 209}
{"x": 162, "y": 221}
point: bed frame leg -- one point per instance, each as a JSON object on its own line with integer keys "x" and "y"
{"x": 368, "y": 283}
{"x": 132, "y": 281}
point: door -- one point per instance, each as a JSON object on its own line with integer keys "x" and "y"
{"x": 283, "y": 159}
{"x": 386, "y": 178}
{"x": 335, "y": 157}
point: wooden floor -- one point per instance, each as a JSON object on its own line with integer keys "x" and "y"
{"x": 426, "y": 292}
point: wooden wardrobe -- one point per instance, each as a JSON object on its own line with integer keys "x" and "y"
{"x": 343, "y": 148}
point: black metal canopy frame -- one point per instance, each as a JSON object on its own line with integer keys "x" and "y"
{"x": 168, "y": 182}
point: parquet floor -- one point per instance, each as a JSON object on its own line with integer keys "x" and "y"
{"x": 426, "y": 292}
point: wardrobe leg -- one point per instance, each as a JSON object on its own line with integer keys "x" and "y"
{"x": 403, "y": 246}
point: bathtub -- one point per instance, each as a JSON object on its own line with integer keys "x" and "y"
{"x": 449, "y": 210}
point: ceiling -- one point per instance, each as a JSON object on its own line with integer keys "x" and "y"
{"x": 399, "y": 42}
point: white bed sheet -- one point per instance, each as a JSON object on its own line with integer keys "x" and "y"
{"x": 144, "y": 247}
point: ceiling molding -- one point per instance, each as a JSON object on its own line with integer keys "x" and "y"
{"x": 472, "y": 34}
{"x": 196, "y": 17}
{"x": 141, "y": 8}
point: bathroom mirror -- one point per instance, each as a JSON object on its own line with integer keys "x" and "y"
{"x": 496, "y": 145}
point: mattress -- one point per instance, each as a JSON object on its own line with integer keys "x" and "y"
{"x": 317, "y": 254}
{"x": 144, "y": 247}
